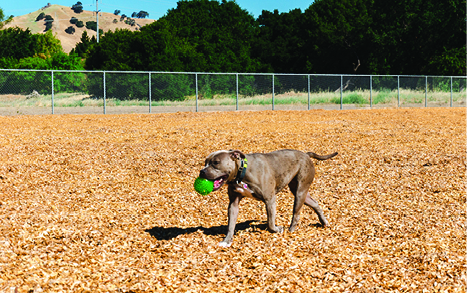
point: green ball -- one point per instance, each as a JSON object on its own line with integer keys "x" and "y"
{"x": 203, "y": 186}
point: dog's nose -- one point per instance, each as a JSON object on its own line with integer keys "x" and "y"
{"x": 202, "y": 173}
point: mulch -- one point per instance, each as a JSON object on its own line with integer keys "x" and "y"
{"x": 105, "y": 203}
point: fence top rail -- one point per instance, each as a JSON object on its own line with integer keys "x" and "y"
{"x": 227, "y": 73}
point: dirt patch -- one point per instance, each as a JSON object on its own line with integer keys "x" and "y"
{"x": 42, "y": 110}
{"x": 106, "y": 203}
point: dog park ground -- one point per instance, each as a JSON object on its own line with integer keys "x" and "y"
{"x": 99, "y": 203}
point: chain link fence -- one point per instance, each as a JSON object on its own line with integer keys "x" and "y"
{"x": 112, "y": 92}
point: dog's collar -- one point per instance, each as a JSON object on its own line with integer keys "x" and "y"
{"x": 241, "y": 171}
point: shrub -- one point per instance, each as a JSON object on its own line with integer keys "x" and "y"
{"x": 92, "y": 25}
{"x": 384, "y": 96}
{"x": 78, "y": 7}
{"x": 352, "y": 98}
{"x": 40, "y": 16}
{"x": 79, "y": 23}
{"x": 130, "y": 21}
{"x": 172, "y": 87}
{"x": 73, "y": 20}
{"x": 70, "y": 30}
{"x": 141, "y": 14}
{"x": 48, "y": 26}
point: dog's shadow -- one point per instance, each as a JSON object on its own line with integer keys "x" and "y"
{"x": 162, "y": 233}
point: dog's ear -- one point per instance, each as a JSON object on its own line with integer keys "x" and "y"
{"x": 236, "y": 154}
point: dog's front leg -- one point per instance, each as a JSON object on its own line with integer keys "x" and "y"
{"x": 234, "y": 201}
{"x": 271, "y": 213}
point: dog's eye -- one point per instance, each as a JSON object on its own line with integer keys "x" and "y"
{"x": 215, "y": 163}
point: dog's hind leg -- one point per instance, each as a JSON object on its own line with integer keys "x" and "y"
{"x": 300, "y": 191}
{"x": 309, "y": 201}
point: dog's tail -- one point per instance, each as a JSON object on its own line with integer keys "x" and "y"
{"x": 321, "y": 158}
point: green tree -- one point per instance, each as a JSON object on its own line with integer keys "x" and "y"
{"x": 70, "y": 30}
{"x": 448, "y": 62}
{"x": 279, "y": 44}
{"x": 21, "y": 43}
{"x": 3, "y": 19}
{"x": 114, "y": 52}
{"x": 92, "y": 25}
{"x": 155, "y": 47}
{"x": 78, "y": 7}
{"x": 57, "y": 61}
{"x": 419, "y": 37}
{"x": 33, "y": 51}
{"x": 221, "y": 32}
{"x": 48, "y": 44}
{"x": 165, "y": 50}
{"x": 48, "y": 26}
{"x": 337, "y": 34}
{"x": 130, "y": 21}
{"x": 141, "y": 14}
{"x": 48, "y": 22}
{"x": 63, "y": 61}
{"x": 25, "y": 82}
{"x": 83, "y": 47}
{"x": 41, "y": 16}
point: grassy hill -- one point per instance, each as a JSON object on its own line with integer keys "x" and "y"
{"x": 63, "y": 14}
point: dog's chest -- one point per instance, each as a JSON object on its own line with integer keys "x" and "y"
{"x": 245, "y": 191}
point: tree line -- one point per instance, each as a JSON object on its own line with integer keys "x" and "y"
{"x": 330, "y": 36}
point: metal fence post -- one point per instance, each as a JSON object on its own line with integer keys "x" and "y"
{"x": 53, "y": 110}
{"x": 196, "y": 86}
{"x": 236, "y": 82}
{"x": 273, "y": 92}
{"x": 426, "y": 91}
{"x": 105, "y": 100}
{"x": 371, "y": 91}
{"x": 451, "y": 91}
{"x": 150, "y": 100}
{"x": 398, "y": 92}
{"x": 341, "y": 92}
{"x": 308, "y": 92}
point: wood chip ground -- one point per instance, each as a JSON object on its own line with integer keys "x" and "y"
{"x": 105, "y": 203}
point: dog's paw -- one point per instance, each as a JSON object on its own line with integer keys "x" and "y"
{"x": 224, "y": 244}
{"x": 324, "y": 222}
{"x": 277, "y": 229}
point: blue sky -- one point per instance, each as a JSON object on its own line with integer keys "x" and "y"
{"x": 155, "y": 8}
